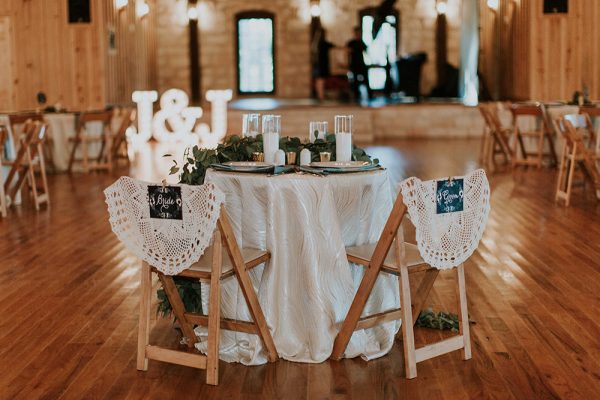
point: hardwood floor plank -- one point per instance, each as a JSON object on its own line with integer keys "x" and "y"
{"x": 69, "y": 301}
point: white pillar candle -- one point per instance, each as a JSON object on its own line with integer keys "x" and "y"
{"x": 343, "y": 146}
{"x": 270, "y": 146}
{"x": 279, "y": 157}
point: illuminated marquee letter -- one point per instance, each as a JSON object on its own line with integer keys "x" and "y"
{"x": 144, "y": 100}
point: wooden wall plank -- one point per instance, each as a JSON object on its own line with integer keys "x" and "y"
{"x": 526, "y": 54}
{"x": 71, "y": 63}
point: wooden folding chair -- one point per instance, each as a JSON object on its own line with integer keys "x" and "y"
{"x": 575, "y": 154}
{"x": 541, "y": 134}
{"x": 594, "y": 140}
{"x": 3, "y": 140}
{"x": 82, "y": 139}
{"x": 404, "y": 261}
{"x": 223, "y": 260}
{"x": 28, "y": 162}
{"x": 16, "y": 122}
{"x": 119, "y": 143}
{"x": 495, "y": 138}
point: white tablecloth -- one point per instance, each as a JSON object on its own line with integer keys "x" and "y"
{"x": 308, "y": 285}
{"x": 62, "y": 126}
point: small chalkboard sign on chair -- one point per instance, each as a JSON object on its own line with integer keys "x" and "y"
{"x": 165, "y": 202}
{"x": 449, "y": 195}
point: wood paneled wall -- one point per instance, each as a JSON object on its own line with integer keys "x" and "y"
{"x": 526, "y": 54}
{"x": 72, "y": 63}
{"x": 131, "y": 65}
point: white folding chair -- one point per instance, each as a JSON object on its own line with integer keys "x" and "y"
{"x": 444, "y": 241}
{"x": 182, "y": 247}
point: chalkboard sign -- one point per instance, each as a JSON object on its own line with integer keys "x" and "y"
{"x": 449, "y": 196}
{"x": 165, "y": 202}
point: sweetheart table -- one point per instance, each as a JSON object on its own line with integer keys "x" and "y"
{"x": 306, "y": 288}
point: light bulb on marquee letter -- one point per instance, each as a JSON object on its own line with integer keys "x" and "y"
{"x": 181, "y": 118}
{"x": 218, "y": 102}
{"x": 144, "y": 100}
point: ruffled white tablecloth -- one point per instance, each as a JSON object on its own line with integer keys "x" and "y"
{"x": 308, "y": 285}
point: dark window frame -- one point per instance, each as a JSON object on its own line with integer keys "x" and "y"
{"x": 371, "y": 11}
{"x": 249, "y": 15}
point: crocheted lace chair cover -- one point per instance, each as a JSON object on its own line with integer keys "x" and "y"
{"x": 168, "y": 245}
{"x": 447, "y": 240}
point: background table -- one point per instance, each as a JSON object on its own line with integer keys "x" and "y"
{"x": 308, "y": 285}
{"x": 63, "y": 126}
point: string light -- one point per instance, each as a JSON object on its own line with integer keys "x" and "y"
{"x": 493, "y": 4}
{"x": 315, "y": 10}
{"x": 441, "y": 7}
{"x": 141, "y": 8}
{"x": 119, "y": 4}
{"x": 192, "y": 13}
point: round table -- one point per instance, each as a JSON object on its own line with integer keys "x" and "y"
{"x": 306, "y": 288}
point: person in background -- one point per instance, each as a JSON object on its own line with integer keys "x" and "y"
{"x": 358, "y": 68}
{"x": 323, "y": 70}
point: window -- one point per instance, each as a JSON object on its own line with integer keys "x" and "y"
{"x": 381, "y": 50}
{"x": 255, "y": 52}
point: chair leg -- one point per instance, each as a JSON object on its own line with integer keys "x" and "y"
{"x": 84, "y": 151}
{"x": 43, "y": 175}
{"x": 257, "y": 314}
{"x": 214, "y": 314}
{"x": 354, "y": 312}
{"x": 408, "y": 337}
{"x": 178, "y": 308}
{"x": 246, "y": 285}
{"x": 73, "y": 151}
{"x": 572, "y": 163}
{"x": 561, "y": 172}
{"x": 463, "y": 313}
{"x": 144, "y": 321}
{"x": 3, "y": 207}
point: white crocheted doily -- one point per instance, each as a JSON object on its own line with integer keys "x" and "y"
{"x": 168, "y": 245}
{"x": 447, "y": 240}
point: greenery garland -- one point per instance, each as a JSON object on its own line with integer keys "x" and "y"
{"x": 197, "y": 160}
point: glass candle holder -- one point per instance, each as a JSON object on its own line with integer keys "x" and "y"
{"x": 317, "y": 130}
{"x": 250, "y": 125}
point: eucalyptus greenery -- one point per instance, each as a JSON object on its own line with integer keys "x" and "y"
{"x": 196, "y": 163}
{"x": 190, "y": 293}
{"x": 197, "y": 160}
{"x": 442, "y": 320}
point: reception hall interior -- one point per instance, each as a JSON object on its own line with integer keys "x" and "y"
{"x": 299, "y": 199}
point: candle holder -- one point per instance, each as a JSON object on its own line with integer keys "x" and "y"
{"x": 258, "y": 156}
{"x": 325, "y": 156}
{"x": 291, "y": 157}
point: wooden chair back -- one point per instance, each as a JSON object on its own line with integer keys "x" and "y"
{"x": 28, "y": 162}
{"x": 592, "y": 111}
{"x": 535, "y": 110}
{"x": 575, "y": 153}
{"x": 103, "y": 161}
{"x": 3, "y": 140}
{"x": 93, "y": 116}
{"x": 496, "y": 139}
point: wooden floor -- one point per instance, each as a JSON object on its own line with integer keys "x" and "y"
{"x": 68, "y": 303}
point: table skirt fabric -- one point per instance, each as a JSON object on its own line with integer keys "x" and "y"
{"x": 307, "y": 287}
{"x": 61, "y": 128}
